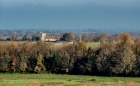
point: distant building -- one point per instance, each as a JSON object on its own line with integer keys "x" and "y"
{"x": 44, "y": 37}
{"x": 51, "y": 38}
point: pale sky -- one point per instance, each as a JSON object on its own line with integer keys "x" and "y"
{"x": 69, "y": 14}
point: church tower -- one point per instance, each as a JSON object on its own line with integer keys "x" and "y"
{"x": 43, "y": 36}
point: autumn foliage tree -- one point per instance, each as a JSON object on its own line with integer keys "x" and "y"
{"x": 39, "y": 67}
{"x": 67, "y": 37}
{"x": 14, "y": 37}
{"x": 124, "y": 58}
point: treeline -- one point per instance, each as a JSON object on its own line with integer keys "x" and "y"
{"x": 115, "y": 57}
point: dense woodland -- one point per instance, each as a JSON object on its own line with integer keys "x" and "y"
{"x": 119, "y": 56}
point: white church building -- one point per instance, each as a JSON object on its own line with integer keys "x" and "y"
{"x": 44, "y": 37}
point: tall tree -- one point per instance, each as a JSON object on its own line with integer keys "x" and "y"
{"x": 14, "y": 37}
{"x": 123, "y": 58}
{"x": 67, "y": 37}
{"x": 35, "y": 36}
{"x": 26, "y": 37}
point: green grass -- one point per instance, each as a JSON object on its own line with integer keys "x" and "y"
{"x": 92, "y": 44}
{"x": 65, "y": 80}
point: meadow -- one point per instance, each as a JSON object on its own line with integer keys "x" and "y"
{"x": 92, "y": 44}
{"x": 65, "y": 80}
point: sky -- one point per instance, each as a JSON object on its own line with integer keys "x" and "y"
{"x": 69, "y": 14}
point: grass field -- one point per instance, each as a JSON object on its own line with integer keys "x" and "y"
{"x": 92, "y": 44}
{"x": 65, "y": 80}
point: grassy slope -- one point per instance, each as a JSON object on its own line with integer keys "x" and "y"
{"x": 65, "y": 80}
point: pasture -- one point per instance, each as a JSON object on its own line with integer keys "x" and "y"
{"x": 65, "y": 80}
{"x": 92, "y": 44}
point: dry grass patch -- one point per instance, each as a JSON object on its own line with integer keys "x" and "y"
{"x": 131, "y": 83}
{"x": 33, "y": 83}
{"x": 94, "y": 80}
